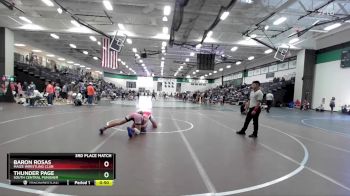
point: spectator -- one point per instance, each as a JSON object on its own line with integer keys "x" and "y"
{"x": 35, "y": 96}
{"x": 20, "y": 90}
{"x": 332, "y": 104}
{"x": 50, "y": 93}
{"x": 269, "y": 101}
{"x": 90, "y": 93}
{"x": 57, "y": 90}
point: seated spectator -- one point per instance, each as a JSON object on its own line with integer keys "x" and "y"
{"x": 35, "y": 96}
{"x": 344, "y": 109}
{"x": 305, "y": 105}
{"x": 78, "y": 101}
{"x": 320, "y": 108}
{"x": 297, "y": 104}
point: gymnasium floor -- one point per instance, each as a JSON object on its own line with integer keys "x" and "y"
{"x": 194, "y": 150}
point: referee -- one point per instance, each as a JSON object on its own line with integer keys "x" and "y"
{"x": 256, "y": 96}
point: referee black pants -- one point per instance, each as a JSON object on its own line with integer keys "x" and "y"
{"x": 255, "y": 118}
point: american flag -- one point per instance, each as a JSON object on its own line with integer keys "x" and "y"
{"x": 109, "y": 56}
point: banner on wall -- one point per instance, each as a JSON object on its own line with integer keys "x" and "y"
{"x": 240, "y": 75}
{"x": 273, "y": 68}
{"x": 264, "y": 70}
{"x": 250, "y": 73}
{"x": 282, "y": 66}
{"x": 256, "y": 72}
{"x": 292, "y": 64}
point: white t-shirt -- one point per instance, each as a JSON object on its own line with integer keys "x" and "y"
{"x": 269, "y": 96}
{"x": 255, "y": 96}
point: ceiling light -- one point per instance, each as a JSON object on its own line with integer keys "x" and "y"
{"x": 61, "y": 59}
{"x": 251, "y": 58}
{"x": 48, "y": 3}
{"x": 20, "y": 45}
{"x": 293, "y": 40}
{"x": 99, "y": 43}
{"x": 187, "y": 59}
{"x": 143, "y": 65}
{"x": 93, "y": 38}
{"x": 82, "y": 66}
{"x": 253, "y": 36}
{"x": 54, "y": 36}
{"x": 224, "y": 15}
{"x": 107, "y": 5}
{"x": 119, "y": 59}
{"x": 95, "y": 58}
{"x": 25, "y": 19}
{"x": 221, "y": 69}
{"x": 88, "y": 68}
{"x": 210, "y": 74}
{"x": 59, "y": 10}
{"x": 238, "y": 62}
{"x": 140, "y": 61}
{"x": 202, "y": 77}
{"x": 215, "y": 72}
{"x": 134, "y": 50}
{"x": 331, "y": 27}
{"x": 181, "y": 67}
{"x": 163, "y": 51}
{"x": 279, "y": 21}
{"x": 37, "y": 51}
{"x": 249, "y": 1}
{"x": 188, "y": 76}
{"x": 70, "y": 62}
{"x": 167, "y": 10}
{"x": 266, "y": 27}
{"x": 192, "y": 54}
{"x": 162, "y": 64}
{"x": 198, "y": 46}
{"x": 129, "y": 41}
{"x": 233, "y": 49}
{"x": 75, "y": 23}
{"x": 163, "y": 44}
{"x": 130, "y": 69}
{"x": 228, "y": 66}
{"x": 121, "y": 26}
{"x": 86, "y": 52}
{"x": 209, "y": 33}
{"x": 194, "y": 73}
{"x": 205, "y": 75}
{"x": 165, "y": 19}
{"x": 268, "y": 51}
{"x": 72, "y": 45}
{"x": 76, "y": 64}
{"x": 50, "y": 55}
{"x": 163, "y": 58}
{"x": 123, "y": 63}
{"x": 165, "y": 30}
{"x": 197, "y": 70}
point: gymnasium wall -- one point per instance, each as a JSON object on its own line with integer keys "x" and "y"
{"x": 331, "y": 80}
{"x": 150, "y": 83}
{"x": 285, "y": 69}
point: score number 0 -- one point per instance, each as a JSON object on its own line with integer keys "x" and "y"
{"x": 106, "y": 164}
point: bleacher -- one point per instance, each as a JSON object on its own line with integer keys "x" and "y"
{"x": 39, "y": 74}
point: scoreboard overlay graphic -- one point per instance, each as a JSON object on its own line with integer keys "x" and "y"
{"x": 89, "y": 169}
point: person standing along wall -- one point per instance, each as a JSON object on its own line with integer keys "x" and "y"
{"x": 90, "y": 92}
{"x": 50, "y": 93}
{"x": 332, "y": 104}
{"x": 269, "y": 101}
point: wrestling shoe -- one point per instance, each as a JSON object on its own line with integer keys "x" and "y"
{"x": 253, "y": 136}
{"x": 130, "y": 132}
{"x": 102, "y": 130}
{"x": 240, "y": 133}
